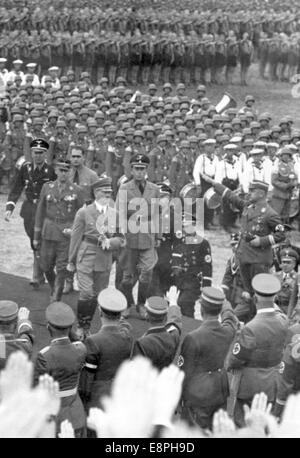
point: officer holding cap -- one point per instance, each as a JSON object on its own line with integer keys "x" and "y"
{"x": 107, "y": 349}
{"x": 64, "y": 360}
{"x": 261, "y": 228}
{"x": 56, "y": 210}
{"x": 257, "y": 351}
{"x": 94, "y": 238}
{"x": 202, "y": 356}
{"x": 138, "y": 206}
{"x": 15, "y": 329}
{"x": 161, "y": 340}
{"x": 31, "y": 177}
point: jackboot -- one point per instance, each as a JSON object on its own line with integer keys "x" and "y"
{"x": 58, "y": 286}
{"x": 126, "y": 289}
{"x": 37, "y": 274}
{"x": 143, "y": 294}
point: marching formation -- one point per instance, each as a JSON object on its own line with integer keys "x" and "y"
{"x": 150, "y": 43}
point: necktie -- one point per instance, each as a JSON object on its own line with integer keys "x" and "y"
{"x": 141, "y": 188}
{"x": 76, "y": 177}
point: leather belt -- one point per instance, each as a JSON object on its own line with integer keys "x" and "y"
{"x": 92, "y": 240}
{"x": 67, "y": 393}
{"x": 58, "y": 220}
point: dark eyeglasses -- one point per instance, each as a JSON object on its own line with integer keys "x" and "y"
{"x": 76, "y": 156}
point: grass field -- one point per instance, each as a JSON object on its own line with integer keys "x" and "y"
{"x": 15, "y": 253}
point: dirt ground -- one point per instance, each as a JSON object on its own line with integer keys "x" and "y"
{"x": 276, "y": 98}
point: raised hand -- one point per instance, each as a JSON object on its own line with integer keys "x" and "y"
{"x": 223, "y": 425}
{"x": 172, "y": 295}
{"x": 130, "y": 409}
{"x": 16, "y": 377}
{"x": 167, "y": 394}
{"x": 47, "y": 384}
{"x": 66, "y": 430}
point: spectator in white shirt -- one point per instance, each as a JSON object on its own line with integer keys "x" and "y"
{"x": 31, "y": 67}
{"x": 17, "y": 64}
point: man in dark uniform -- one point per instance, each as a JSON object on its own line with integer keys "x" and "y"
{"x": 257, "y": 351}
{"x": 106, "y": 350}
{"x": 63, "y": 360}
{"x": 205, "y": 387}
{"x": 286, "y": 299}
{"x": 138, "y": 206}
{"x": 261, "y": 228}
{"x": 31, "y": 176}
{"x": 162, "y": 273}
{"x": 56, "y": 210}
{"x": 161, "y": 340}
{"x": 191, "y": 264}
{"x": 289, "y": 371}
{"x": 232, "y": 285}
{"x": 16, "y": 331}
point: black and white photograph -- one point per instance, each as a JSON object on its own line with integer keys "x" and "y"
{"x": 149, "y": 221}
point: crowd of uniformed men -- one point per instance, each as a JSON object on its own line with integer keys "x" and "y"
{"x": 148, "y": 43}
{"x": 75, "y": 148}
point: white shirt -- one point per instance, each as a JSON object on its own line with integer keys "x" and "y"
{"x": 12, "y": 75}
{"x": 254, "y": 173}
{"x": 101, "y": 208}
{"x": 229, "y": 170}
{"x": 204, "y": 166}
{"x": 36, "y": 80}
{"x": 55, "y": 84}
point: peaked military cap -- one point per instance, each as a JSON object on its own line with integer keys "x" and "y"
{"x": 140, "y": 159}
{"x": 266, "y": 284}
{"x": 8, "y": 311}
{"x": 39, "y": 143}
{"x": 104, "y": 184}
{"x": 60, "y": 315}
{"x": 212, "y": 299}
{"x": 156, "y": 305}
{"x": 112, "y": 300}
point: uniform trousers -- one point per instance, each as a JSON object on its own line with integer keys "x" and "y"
{"x": 54, "y": 254}
{"x": 28, "y": 215}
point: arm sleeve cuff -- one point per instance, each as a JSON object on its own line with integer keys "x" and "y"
{"x": 280, "y": 402}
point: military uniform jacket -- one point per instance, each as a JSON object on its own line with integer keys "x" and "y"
{"x": 87, "y": 177}
{"x": 84, "y": 230}
{"x": 287, "y": 296}
{"x": 160, "y": 343}
{"x": 128, "y": 207}
{"x": 194, "y": 261}
{"x": 64, "y": 360}
{"x": 289, "y": 370}
{"x": 257, "y": 353}
{"x": 56, "y": 210}
{"x": 202, "y": 357}
{"x": 259, "y": 219}
{"x": 232, "y": 282}
{"x": 159, "y": 165}
{"x": 31, "y": 180}
{"x": 106, "y": 351}
{"x": 22, "y": 341}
